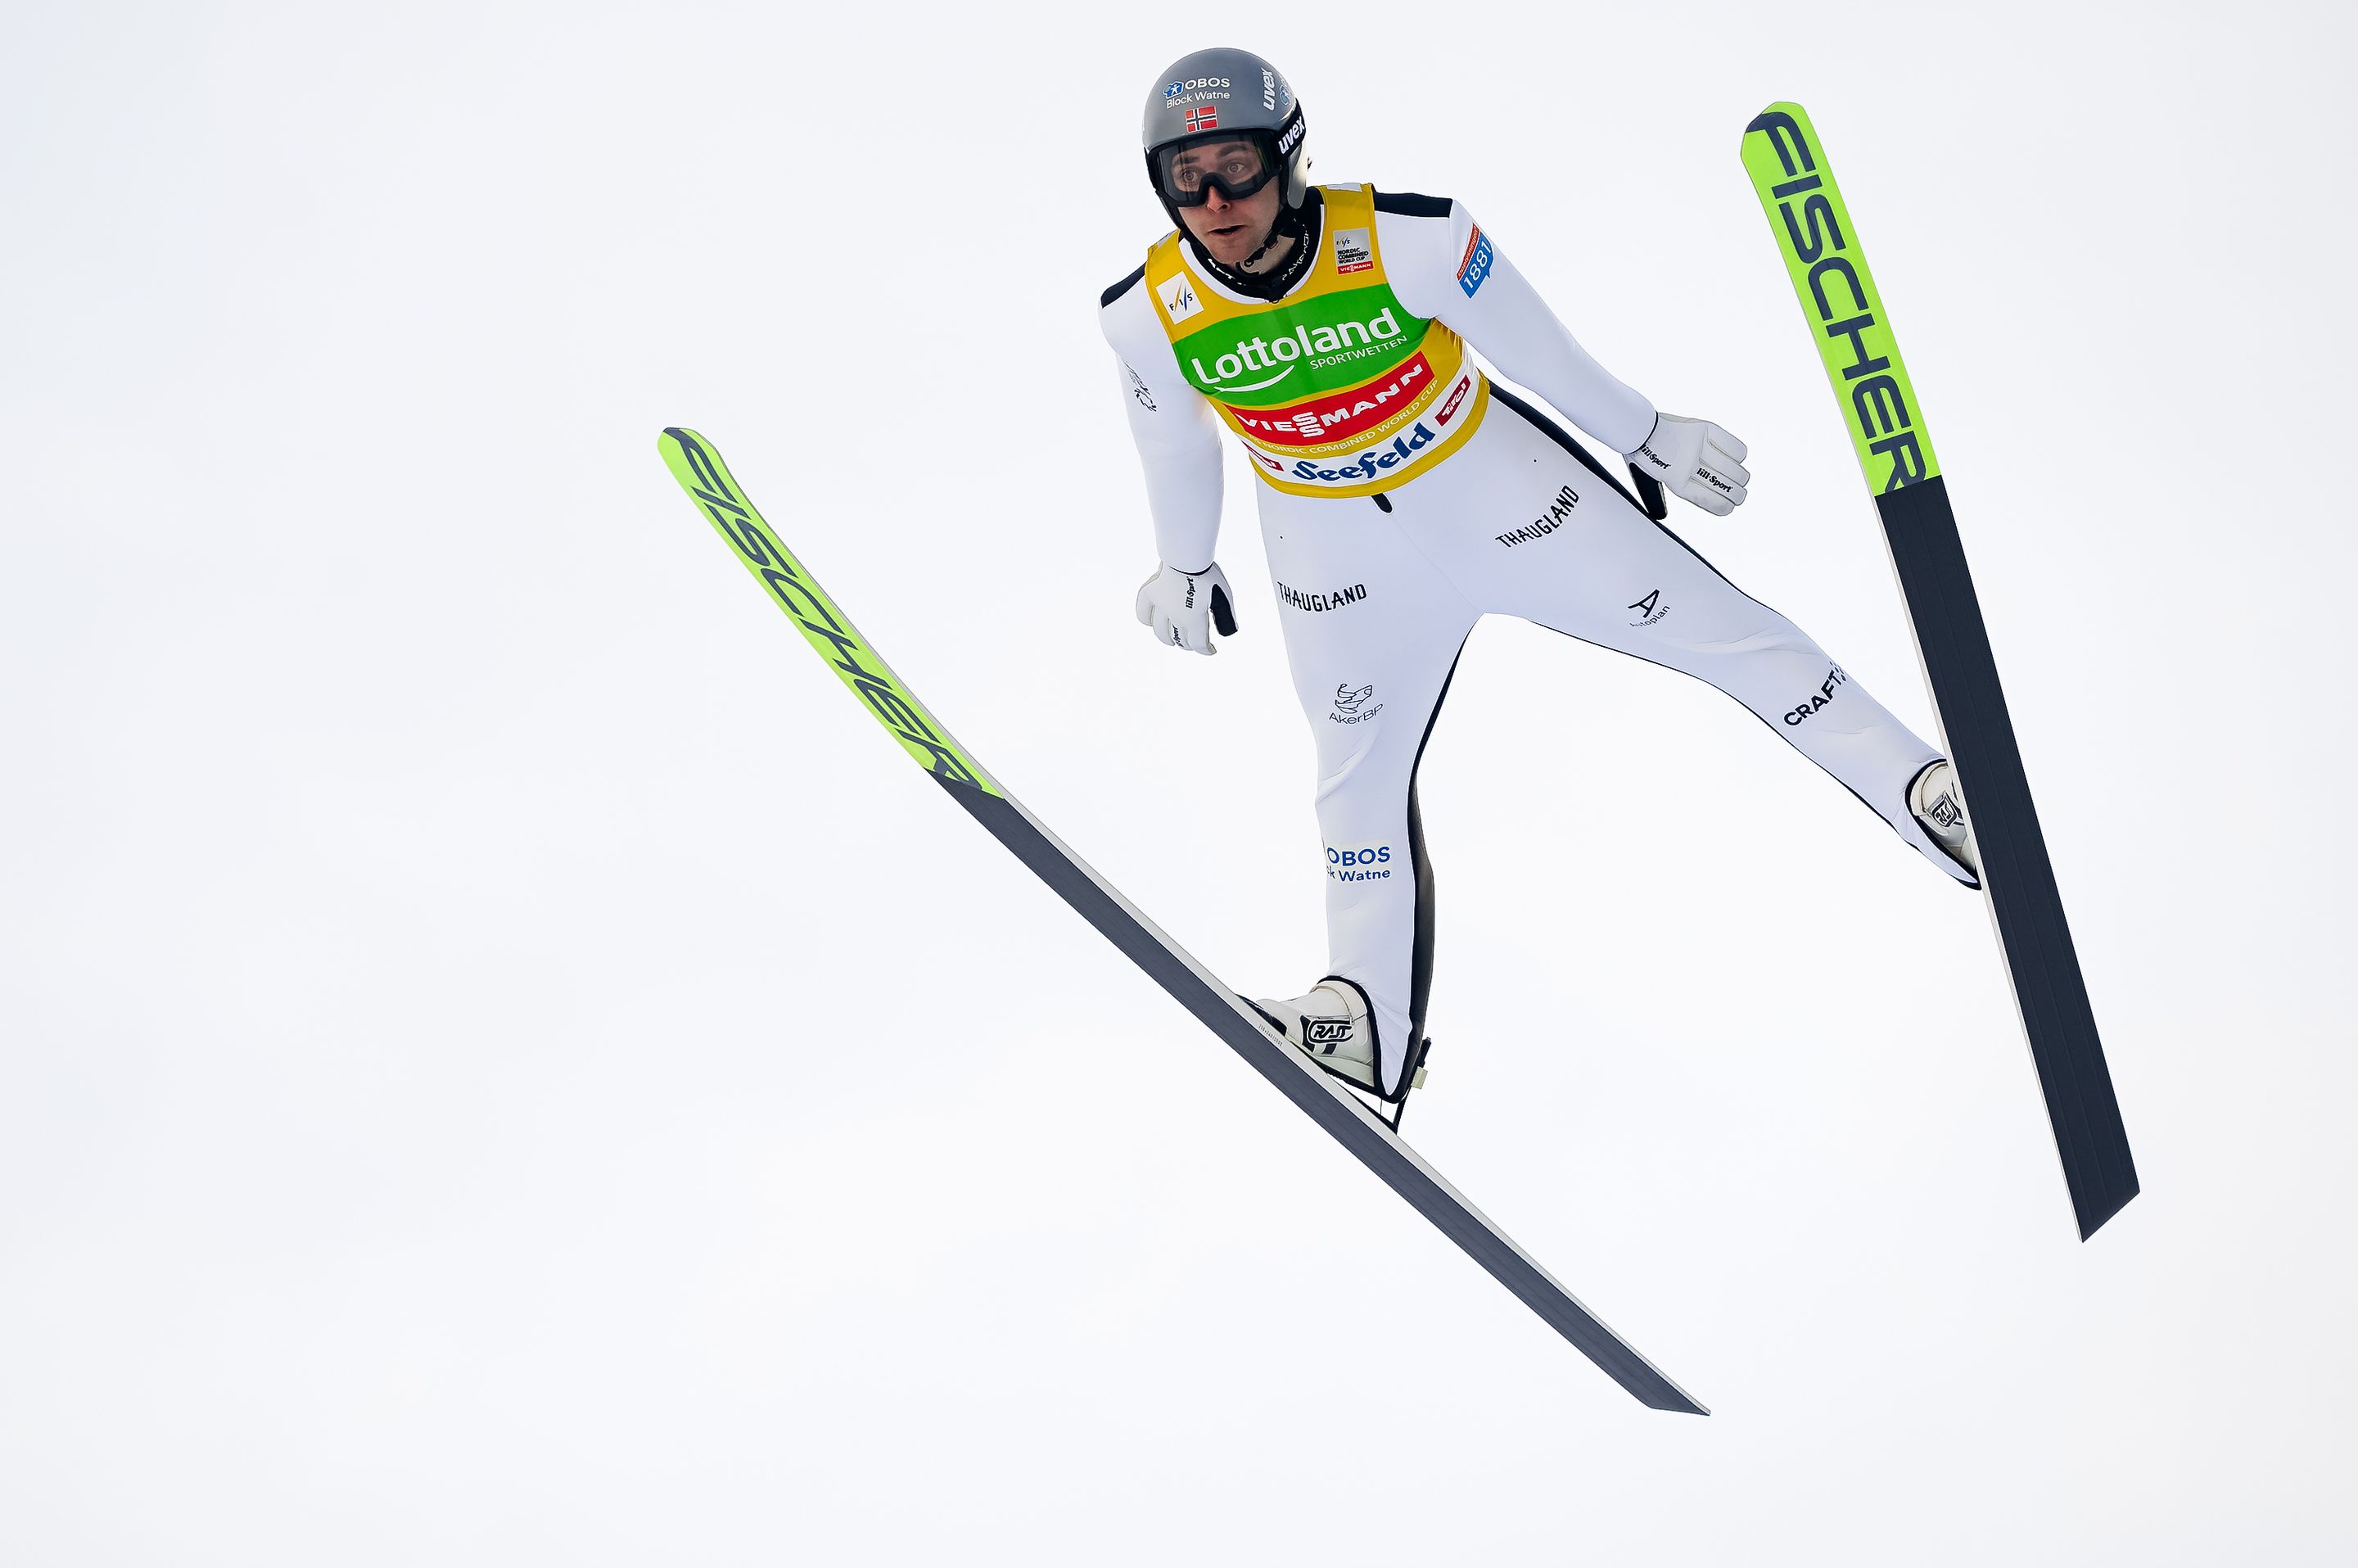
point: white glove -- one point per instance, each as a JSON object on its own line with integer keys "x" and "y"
{"x": 1183, "y": 606}
{"x": 1695, "y": 460}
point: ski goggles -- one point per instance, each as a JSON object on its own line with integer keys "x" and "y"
{"x": 1234, "y": 163}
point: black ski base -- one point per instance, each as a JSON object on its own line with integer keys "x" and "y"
{"x": 1930, "y": 559}
{"x": 1389, "y": 1160}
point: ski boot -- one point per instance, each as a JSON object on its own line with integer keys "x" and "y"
{"x": 1933, "y": 798}
{"x": 1331, "y": 1027}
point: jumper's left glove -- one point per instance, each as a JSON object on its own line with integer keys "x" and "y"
{"x": 1183, "y": 607}
{"x": 1695, "y": 460}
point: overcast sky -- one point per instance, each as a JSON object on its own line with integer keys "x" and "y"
{"x": 501, "y": 1062}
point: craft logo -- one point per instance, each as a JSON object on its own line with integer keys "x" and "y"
{"x": 1474, "y": 267}
{"x": 1179, "y": 298}
{"x": 1558, "y": 513}
{"x": 1649, "y": 609}
{"x": 1284, "y": 354}
{"x": 1360, "y": 865}
{"x": 1317, "y": 603}
{"x": 1317, "y": 423}
{"x": 1352, "y": 250}
{"x": 1823, "y": 698}
{"x": 1351, "y": 705}
{"x": 1204, "y": 119}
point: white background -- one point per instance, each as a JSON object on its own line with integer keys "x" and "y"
{"x": 505, "y": 1063}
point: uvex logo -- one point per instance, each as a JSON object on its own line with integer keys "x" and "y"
{"x": 1839, "y": 292}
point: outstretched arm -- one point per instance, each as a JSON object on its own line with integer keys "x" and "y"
{"x": 1443, "y": 263}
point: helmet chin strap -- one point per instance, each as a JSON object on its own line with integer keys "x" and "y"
{"x": 1291, "y": 223}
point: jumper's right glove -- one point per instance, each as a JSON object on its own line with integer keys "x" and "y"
{"x": 1182, "y": 607}
{"x": 1695, "y": 460}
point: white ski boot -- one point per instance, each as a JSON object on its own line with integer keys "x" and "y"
{"x": 1934, "y": 799}
{"x": 1331, "y": 1027}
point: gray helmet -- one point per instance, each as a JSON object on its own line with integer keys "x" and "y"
{"x": 1224, "y": 93}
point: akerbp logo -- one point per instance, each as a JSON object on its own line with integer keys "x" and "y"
{"x": 1360, "y": 865}
{"x": 1352, "y": 707}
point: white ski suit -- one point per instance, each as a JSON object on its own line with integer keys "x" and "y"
{"x": 1403, "y": 498}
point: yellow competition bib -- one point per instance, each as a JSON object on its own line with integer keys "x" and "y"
{"x": 1334, "y": 389}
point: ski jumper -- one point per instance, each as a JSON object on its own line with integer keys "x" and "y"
{"x": 1402, "y": 498}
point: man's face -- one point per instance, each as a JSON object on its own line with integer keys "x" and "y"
{"x": 1230, "y": 230}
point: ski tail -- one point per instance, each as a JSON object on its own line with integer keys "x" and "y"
{"x": 1886, "y": 420}
{"x": 1344, "y": 1117}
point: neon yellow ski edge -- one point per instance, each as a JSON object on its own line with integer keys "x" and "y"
{"x": 697, "y": 466}
{"x": 1828, "y": 266}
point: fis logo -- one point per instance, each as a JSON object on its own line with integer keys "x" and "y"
{"x": 1179, "y": 298}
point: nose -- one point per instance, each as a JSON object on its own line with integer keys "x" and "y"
{"x": 1216, "y": 198}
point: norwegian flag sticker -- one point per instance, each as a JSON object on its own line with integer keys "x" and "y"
{"x": 1206, "y": 118}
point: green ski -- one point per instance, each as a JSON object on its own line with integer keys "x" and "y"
{"x": 1820, "y": 247}
{"x": 1344, "y": 1115}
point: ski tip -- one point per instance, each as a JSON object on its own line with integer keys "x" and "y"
{"x": 680, "y": 435}
{"x": 1782, "y": 112}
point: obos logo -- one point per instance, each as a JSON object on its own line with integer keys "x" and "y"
{"x": 1190, "y": 85}
{"x": 1360, "y": 865}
